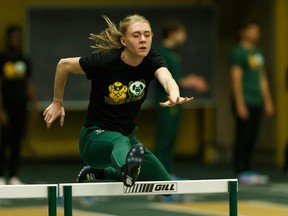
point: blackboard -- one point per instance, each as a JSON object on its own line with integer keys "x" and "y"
{"x": 56, "y": 32}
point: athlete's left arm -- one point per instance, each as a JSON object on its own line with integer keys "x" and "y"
{"x": 265, "y": 90}
{"x": 32, "y": 105}
{"x": 172, "y": 89}
{"x": 31, "y": 92}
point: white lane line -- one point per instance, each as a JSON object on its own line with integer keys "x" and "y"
{"x": 183, "y": 209}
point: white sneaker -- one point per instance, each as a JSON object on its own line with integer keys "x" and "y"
{"x": 252, "y": 178}
{"x": 15, "y": 181}
{"x": 2, "y": 181}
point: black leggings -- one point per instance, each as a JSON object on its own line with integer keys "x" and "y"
{"x": 246, "y": 135}
{"x": 11, "y": 138}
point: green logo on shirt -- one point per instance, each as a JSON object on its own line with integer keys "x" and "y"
{"x": 14, "y": 70}
{"x": 118, "y": 92}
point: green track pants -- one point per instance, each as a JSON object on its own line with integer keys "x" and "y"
{"x": 102, "y": 149}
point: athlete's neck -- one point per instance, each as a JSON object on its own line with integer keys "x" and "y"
{"x": 170, "y": 44}
{"x": 129, "y": 59}
{"x": 248, "y": 44}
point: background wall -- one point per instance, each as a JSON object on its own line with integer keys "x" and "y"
{"x": 47, "y": 24}
{"x": 281, "y": 77}
{"x": 207, "y": 132}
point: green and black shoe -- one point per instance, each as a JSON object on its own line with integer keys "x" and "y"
{"x": 89, "y": 174}
{"x": 132, "y": 167}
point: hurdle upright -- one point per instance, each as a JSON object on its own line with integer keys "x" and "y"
{"x": 48, "y": 191}
{"x": 69, "y": 190}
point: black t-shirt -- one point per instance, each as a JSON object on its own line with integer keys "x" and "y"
{"x": 14, "y": 72}
{"x": 118, "y": 90}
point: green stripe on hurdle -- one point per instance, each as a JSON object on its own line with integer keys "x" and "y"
{"x": 67, "y": 194}
{"x": 52, "y": 200}
{"x": 233, "y": 189}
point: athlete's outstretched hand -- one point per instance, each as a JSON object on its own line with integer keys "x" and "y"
{"x": 52, "y": 112}
{"x": 179, "y": 100}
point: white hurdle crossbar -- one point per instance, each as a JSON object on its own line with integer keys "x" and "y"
{"x": 69, "y": 190}
{"x": 48, "y": 191}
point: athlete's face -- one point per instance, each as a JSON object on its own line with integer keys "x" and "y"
{"x": 15, "y": 40}
{"x": 251, "y": 33}
{"x": 138, "y": 39}
{"x": 178, "y": 37}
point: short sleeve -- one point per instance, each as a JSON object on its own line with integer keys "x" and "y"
{"x": 1, "y": 65}
{"x": 28, "y": 65}
{"x": 158, "y": 60}
{"x": 236, "y": 57}
{"x": 90, "y": 64}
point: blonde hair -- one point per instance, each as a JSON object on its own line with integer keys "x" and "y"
{"x": 110, "y": 38}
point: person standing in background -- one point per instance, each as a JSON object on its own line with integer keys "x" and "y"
{"x": 174, "y": 35}
{"x": 16, "y": 90}
{"x": 251, "y": 95}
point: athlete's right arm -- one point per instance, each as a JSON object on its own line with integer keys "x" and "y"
{"x": 3, "y": 115}
{"x": 236, "y": 73}
{"x": 56, "y": 109}
{"x": 65, "y": 66}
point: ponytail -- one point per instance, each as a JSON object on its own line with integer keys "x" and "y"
{"x": 109, "y": 39}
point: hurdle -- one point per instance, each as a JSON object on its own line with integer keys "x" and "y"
{"x": 69, "y": 190}
{"x": 48, "y": 191}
